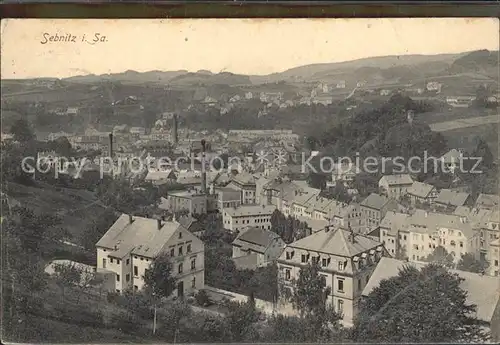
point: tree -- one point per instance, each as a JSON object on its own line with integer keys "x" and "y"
{"x": 469, "y": 263}
{"x": 67, "y": 275}
{"x": 316, "y": 180}
{"x": 417, "y": 307}
{"x": 310, "y": 291}
{"x": 98, "y": 228}
{"x": 440, "y": 256}
{"x": 241, "y": 320}
{"x": 22, "y": 131}
{"x": 158, "y": 278}
{"x": 483, "y": 151}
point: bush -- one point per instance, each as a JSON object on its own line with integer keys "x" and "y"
{"x": 202, "y": 299}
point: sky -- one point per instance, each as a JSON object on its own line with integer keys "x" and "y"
{"x": 246, "y": 46}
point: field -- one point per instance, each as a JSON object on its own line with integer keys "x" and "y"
{"x": 465, "y": 123}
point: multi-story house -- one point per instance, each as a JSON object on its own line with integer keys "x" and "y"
{"x": 239, "y": 218}
{"x": 192, "y": 201}
{"x": 275, "y": 191}
{"x": 421, "y": 193}
{"x": 245, "y": 183}
{"x": 257, "y": 247}
{"x": 395, "y": 186}
{"x": 494, "y": 258}
{"x": 227, "y": 197}
{"x": 344, "y": 173}
{"x": 346, "y": 262}
{"x": 394, "y": 234}
{"x": 429, "y": 230}
{"x": 131, "y": 244}
{"x": 451, "y": 160}
{"x": 373, "y": 208}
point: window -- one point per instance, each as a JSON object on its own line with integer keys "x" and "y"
{"x": 340, "y": 285}
{"x": 128, "y": 261}
{"x": 496, "y": 262}
{"x": 117, "y": 277}
{"x": 193, "y": 264}
{"x": 111, "y": 260}
{"x": 180, "y": 235}
{"x": 180, "y": 251}
{"x": 179, "y": 268}
{"x": 117, "y": 290}
{"x": 404, "y": 237}
{"x": 136, "y": 271}
{"x": 341, "y": 266}
{"x": 461, "y": 244}
{"x": 103, "y": 263}
{"x": 118, "y": 261}
{"x": 193, "y": 283}
{"x": 127, "y": 277}
{"x": 340, "y": 306}
{"x": 303, "y": 258}
{"x": 287, "y": 274}
{"x": 136, "y": 287}
{"x": 188, "y": 248}
{"x": 324, "y": 262}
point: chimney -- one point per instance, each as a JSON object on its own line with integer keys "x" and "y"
{"x": 130, "y": 219}
{"x": 111, "y": 145}
{"x": 176, "y": 136}
{"x": 158, "y": 223}
{"x": 203, "y": 168}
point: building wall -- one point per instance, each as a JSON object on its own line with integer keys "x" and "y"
{"x": 353, "y": 279}
{"x": 493, "y": 258}
{"x": 262, "y": 221}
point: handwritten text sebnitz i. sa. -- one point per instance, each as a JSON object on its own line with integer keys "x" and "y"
{"x": 70, "y": 38}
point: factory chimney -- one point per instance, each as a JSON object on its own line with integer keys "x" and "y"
{"x": 111, "y": 145}
{"x": 175, "y": 134}
{"x": 203, "y": 168}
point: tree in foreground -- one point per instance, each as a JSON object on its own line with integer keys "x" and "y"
{"x": 158, "y": 278}
{"x": 440, "y": 256}
{"x": 470, "y": 264}
{"x": 319, "y": 321}
{"x": 416, "y": 307}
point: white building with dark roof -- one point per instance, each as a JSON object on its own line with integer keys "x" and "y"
{"x": 130, "y": 245}
{"x": 395, "y": 186}
{"x": 244, "y": 216}
{"x": 346, "y": 262}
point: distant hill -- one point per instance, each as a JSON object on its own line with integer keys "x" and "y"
{"x": 204, "y": 78}
{"x": 318, "y": 71}
{"x": 382, "y": 70}
{"x": 129, "y": 77}
{"x": 482, "y": 61}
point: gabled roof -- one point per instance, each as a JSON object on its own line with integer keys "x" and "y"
{"x": 336, "y": 242}
{"x": 395, "y": 221}
{"x": 452, "y": 156}
{"x": 375, "y": 201}
{"x": 449, "y": 197}
{"x": 421, "y": 190}
{"x": 483, "y": 291}
{"x": 257, "y": 237}
{"x": 429, "y": 222}
{"x": 141, "y": 237}
{"x": 397, "y": 180}
{"x": 488, "y": 201}
{"x": 244, "y": 178}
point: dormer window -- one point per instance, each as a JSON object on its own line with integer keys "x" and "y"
{"x": 341, "y": 265}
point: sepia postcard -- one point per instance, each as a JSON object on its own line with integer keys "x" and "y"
{"x": 250, "y": 180}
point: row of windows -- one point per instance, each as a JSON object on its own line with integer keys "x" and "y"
{"x": 180, "y": 250}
